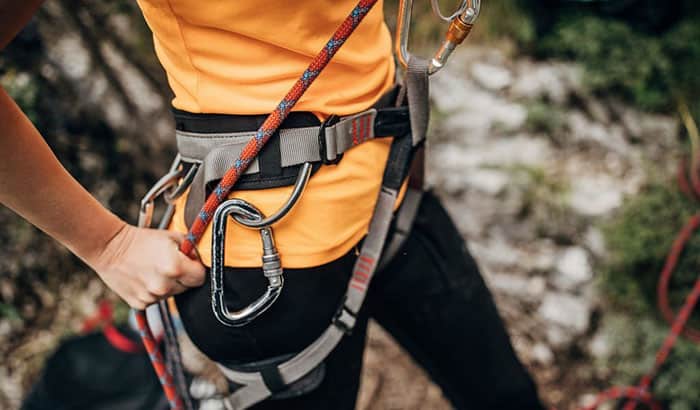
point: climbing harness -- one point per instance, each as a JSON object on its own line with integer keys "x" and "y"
{"x": 233, "y": 158}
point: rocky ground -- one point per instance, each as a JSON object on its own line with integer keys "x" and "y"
{"x": 528, "y": 163}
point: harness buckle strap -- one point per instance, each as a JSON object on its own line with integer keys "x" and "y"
{"x": 328, "y": 157}
{"x": 344, "y": 319}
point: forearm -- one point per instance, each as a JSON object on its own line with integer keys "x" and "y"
{"x": 35, "y": 185}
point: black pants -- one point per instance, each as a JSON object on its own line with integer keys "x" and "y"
{"x": 431, "y": 298}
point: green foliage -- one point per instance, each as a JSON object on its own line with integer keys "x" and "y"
{"x": 617, "y": 59}
{"x": 639, "y": 240}
{"x": 10, "y": 312}
{"x": 635, "y": 341}
{"x": 23, "y": 89}
{"x": 649, "y": 71}
{"x": 545, "y": 118}
{"x": 121, "y": 313}
{"x": 506, "y": 19}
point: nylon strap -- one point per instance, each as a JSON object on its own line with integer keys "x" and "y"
{"x": 418, "y": 94}
{"x": 216, "y": 153}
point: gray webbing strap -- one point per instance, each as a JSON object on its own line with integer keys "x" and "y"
{"x": 404, "y": 223}
{"x": 254, "y": 389}
{"x": 216, "y": 152}
{"x": 418, "y": 92}
{"x": 297, "y": 145}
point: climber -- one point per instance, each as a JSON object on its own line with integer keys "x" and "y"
{"x": 228, "y": 63}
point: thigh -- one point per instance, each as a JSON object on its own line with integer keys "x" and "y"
{"x": 304, "y": 310}
{"x": 341, "y": 382}
{"x": 432, "y": 299}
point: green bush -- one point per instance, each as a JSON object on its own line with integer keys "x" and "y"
{"x": 649, "y": 71}
{"x": 635, "y": 341}
{"x": 618, "y": 60}
{"x": 638, "y": 241}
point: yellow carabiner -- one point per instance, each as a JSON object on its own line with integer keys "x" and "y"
{"x": 460, "y": 27}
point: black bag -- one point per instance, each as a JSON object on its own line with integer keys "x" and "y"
{"x": 87, "y": 372}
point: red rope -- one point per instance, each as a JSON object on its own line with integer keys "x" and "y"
{"x": 250, "y": 151}
{"x": 105, "y": 317}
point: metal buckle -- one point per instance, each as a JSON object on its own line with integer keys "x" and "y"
{"x": 337, "y": 322}
{"x": 170, "y": 186}
{"x": 322, "y": 146}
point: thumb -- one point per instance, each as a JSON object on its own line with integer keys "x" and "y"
{"x": 192, "y": 271}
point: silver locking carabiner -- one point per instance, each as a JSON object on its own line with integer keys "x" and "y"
{"x": 247, "y": 215}
{"x": 272, "y": 267}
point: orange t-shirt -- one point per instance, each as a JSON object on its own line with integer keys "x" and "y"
{"x": 241, "y": 57}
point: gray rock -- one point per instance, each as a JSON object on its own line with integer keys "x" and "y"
{"x": 599, "y": 346}
{"x": 572, "y": 269}
{"x": 542, "y": 354}
{"x": 489, "y": 181}
{"x": 496, "y": 253}
{"x": 597, "y": 110}
{"x": 536, "y": 287}
{"x": 553, "y": 81}
{"x": 510, "y": 284}
{"x": 596, "y": 195}
{"x": 565, "y": 311}
{"x": 594, "y": 241}
{"x": 657, "y": 128}
{"x": 558, "y": 337}
{"x": 517, "y": 286}
{"x": 470, "y": 110}
{"x": 583, "y": 130}
{"x": 501, "y": 152}
{"x": 70, "y": 55}
{"x": 491, "y": 77}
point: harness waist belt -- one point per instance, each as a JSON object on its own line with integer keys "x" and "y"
{"x": 299, "y": 145}
{"x": 211, "y": 144}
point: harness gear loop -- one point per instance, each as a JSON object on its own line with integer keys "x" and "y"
{"x": 166, "y": 182}
{"x": 271, "y": 265}
{"x": 461, "y": 24}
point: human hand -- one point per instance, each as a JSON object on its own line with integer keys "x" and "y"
{"x": 144, "y": 265}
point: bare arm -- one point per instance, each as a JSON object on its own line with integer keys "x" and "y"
{"x": 34, "y": 184}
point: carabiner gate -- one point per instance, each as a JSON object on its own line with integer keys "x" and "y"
{"x": 459, "y": 28}
{"x": 272, "y": 267}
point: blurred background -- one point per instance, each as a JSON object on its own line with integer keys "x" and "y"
{"x": 557, "y": 134}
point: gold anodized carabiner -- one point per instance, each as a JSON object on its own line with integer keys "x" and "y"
{"x": 458, "y": 30}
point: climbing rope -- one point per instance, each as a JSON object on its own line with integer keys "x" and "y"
{"x": 250, "y": 151}
{"x": 105, "y": 318}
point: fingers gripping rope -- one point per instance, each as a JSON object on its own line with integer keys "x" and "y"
{"x": 250, "y": 151}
